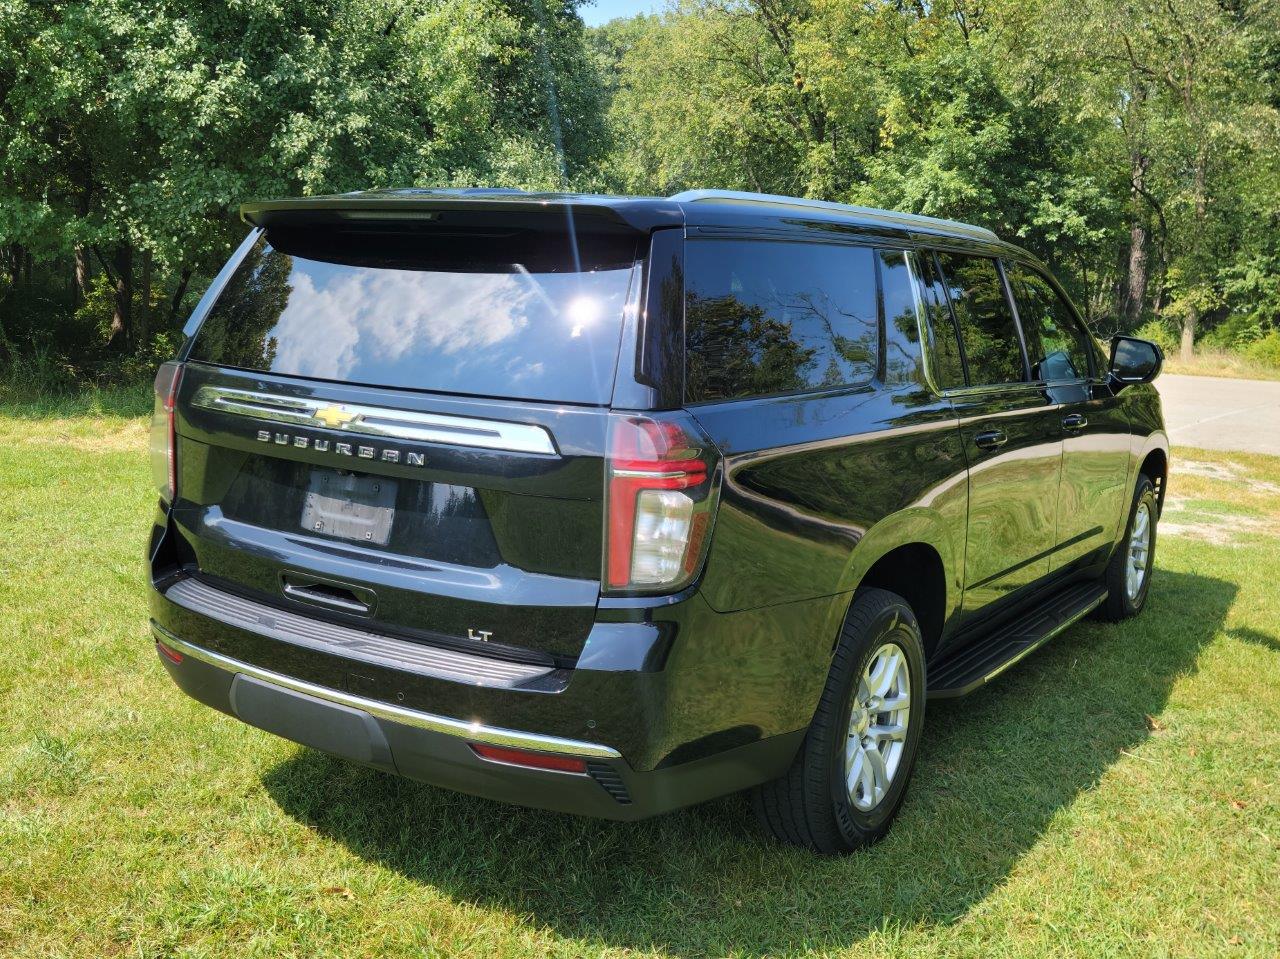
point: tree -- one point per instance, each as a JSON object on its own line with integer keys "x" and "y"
{"x": 130, "y": 131}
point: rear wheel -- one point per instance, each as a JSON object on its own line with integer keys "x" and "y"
{"x": 851, "y": 773}
{"x": 1128, "y": 575}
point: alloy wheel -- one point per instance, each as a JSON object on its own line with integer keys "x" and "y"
{"x": 877, "y": 727}
{"x": 1139, "y": 551}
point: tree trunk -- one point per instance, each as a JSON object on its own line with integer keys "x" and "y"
{"x": 142, "y": 324}
{"x": 176, "y": 303}
{"x": 83, "y": 202}
{"x": 1192, "y": 317}
{"x": 121, "y": 317}
{"x": 1189, "y": 321}
{"x": 1135, "y": 294}
{"x": 82, "y": 274}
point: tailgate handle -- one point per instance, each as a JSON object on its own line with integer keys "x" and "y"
{"x": 327, "y": 593}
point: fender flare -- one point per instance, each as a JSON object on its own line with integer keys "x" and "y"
{"x": 914, "y": 525}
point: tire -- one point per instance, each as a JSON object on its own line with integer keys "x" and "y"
{"x": 1123, "y": 601}
{"x": 812, "y": 805}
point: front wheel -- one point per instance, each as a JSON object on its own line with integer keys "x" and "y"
{"x": 851, "y": 773}
{"x": 1128, "y": 575}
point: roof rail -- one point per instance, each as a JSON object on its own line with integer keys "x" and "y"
{"x": 907, "y": 220}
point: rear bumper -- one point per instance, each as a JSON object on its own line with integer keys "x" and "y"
{"x": 437, "y": 749}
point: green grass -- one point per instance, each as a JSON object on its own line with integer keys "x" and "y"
{"x": 1115, "y": 795}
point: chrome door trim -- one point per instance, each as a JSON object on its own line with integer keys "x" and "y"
{"x": 474, "y": 731}
{"x": 377, "y": 420}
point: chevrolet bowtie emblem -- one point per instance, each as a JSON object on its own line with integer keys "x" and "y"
{"x": 333, "y": 416}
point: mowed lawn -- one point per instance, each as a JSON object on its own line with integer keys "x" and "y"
{"x": 1118, "y": 794}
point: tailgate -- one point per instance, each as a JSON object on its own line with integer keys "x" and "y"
{"x": 405, "y": 424}
{"x": 467, "y": 521}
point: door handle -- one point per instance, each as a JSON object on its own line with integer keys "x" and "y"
{"x": 991, "y": 439}
{"x": 1074, "y": 421}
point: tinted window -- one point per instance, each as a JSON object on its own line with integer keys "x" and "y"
{"x": 988, "y": 332}
{"x": 1056, "y": 346}
{"x": 945, "y": 362}
{"x": 771, "y": 317}
{"x": 902, "y": 324}
{"x": 457, "y": 316}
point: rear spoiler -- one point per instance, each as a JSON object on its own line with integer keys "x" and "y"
{"x": 474, "y": 206}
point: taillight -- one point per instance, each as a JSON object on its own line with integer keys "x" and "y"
{"x": 164, "y": 463}
{"x": 661, "y": 499}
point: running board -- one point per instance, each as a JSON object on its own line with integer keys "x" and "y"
{"x": 963, "y": 671}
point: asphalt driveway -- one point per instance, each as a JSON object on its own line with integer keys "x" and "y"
{"x": 1221, "y": 414}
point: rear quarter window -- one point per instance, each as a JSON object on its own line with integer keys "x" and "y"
{"x": 768, "y": 317}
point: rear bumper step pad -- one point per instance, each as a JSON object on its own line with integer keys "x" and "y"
{"x": 349, "y": 642}
{"x": 460, "y": 729}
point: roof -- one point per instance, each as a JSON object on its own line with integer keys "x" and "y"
{"x": 690, "y": 208}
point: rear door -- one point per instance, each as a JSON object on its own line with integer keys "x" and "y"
{"x": 1095, "y": 461}
{"x": 1009, "y": 426}
{"x": 408, "y": 427}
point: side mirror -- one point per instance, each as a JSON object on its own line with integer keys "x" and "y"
{"x": 1134, "y": 361}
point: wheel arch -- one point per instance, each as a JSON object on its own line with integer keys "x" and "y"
{"x": 1155, "y": 466}
{"x": 911, "y": 554}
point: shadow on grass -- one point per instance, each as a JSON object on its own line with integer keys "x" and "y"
{"x": 994, "y": 770}
{"x": 1255, "y": 636}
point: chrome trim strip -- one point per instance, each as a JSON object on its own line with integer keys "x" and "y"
{"x": 377, "y": 420}
{"x": 649, "y": 474}
{"x": 474, "y": 731}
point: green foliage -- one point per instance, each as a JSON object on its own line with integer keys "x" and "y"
{"x": 95, "y": 310}
{"x": 1265, "y": 349}
{"x": 1087, "y": 131}
{"x": 1161, "y": 333}
{"x": 37, "y": 372}
{"x": 131, "y": 130}
{"x": 1134, "y": 146}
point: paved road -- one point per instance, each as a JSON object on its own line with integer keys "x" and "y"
{"x": 1221, "y": 414}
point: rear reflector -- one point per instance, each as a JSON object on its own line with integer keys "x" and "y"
{"x": 532, "y": 760}
{"x": 170, "y": 654}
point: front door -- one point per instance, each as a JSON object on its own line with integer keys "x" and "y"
{"x": 1095, "y": 430}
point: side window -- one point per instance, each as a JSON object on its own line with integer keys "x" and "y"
{"x": 988, "y": 333}
{"x": 765, "y": 317}
{"x": 901, "y": 320}
{"x": 1056, "y": 345}
{"x": 945, "y": 361}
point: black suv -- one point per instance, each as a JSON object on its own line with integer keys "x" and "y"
{"x": 612, "y": 505}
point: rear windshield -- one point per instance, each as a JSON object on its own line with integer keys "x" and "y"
{"x": 518, "y": 315}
